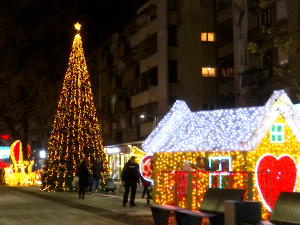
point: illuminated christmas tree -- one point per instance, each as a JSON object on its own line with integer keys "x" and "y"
{"x": 76, "y": 133}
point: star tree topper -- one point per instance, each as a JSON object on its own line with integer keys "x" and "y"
{"x": 77, "y": 26}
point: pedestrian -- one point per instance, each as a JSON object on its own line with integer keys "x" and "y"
{"x": 97, "y": 168}
{"x": 130, "y": 179}
{"x": 146, "y": 185}
{"x": 83, "y": 174}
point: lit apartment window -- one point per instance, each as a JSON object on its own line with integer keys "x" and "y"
{"x": 208, "y": 72}
{"x": 207, "y": 37}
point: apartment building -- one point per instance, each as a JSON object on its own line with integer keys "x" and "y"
{"x": 167, "y": 52}
{"x": 246, "y": 79}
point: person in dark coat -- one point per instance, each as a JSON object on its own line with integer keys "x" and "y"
{"x": 130, "y": 179}
{"x": 83, "y": 174}
{"x": 97, "y": 168}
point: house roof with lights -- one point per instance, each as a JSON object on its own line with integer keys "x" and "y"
{"x": 229, "y": 129}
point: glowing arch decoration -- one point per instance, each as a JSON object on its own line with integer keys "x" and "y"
{"x": 16, "y": 152}
{"x": 146, "y": 168}
{"x": 279, "y": 173}
{"x": 19, "y": 173}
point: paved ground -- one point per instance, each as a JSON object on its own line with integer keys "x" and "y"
{"x": 27, "y": 205}
{"x": 139, "y": 190}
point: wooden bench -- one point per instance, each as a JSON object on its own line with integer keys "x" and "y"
{"x": 212, "y": 207}
{"x": 161, "y": 213}
{"x": 286, "y": 210}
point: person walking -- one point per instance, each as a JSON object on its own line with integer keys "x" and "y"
{"x": 83, "y": 174}
{"x": 97, "y": 168}
{"x": 130, "y": 179}
{"x": 146, "y": 185}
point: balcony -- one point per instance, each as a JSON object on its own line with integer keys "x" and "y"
{"x": 226, "y": 87}
{"x": 145, "y": 97}
{"x": 143, "y": 33}
{"x": 224, "y": 14}
{"x": 225, "y": 50}
{"x": 265, "y": 33}
{"x": 149, "y": 62}
{"x": 116, "y": 82}
{"x": 122, "y": 106}
{"x": 119, "y": 51}
{"x": 125, "y": 77}
{"x": 130, "y": 74}
{"x": 131, "y": 134}
{"x": 172, "y": 18}
{"x": 104, "y": 62}
{"x": 117, "y": 136}
{"x": 134, "y": 69}
{"x": 146, "y": 128}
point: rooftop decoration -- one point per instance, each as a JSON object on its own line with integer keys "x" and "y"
{"x": 228, "y": 129}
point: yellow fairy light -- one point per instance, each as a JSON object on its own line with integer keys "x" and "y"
{"x": 16, "y": 174}
{"x": 166, "y": 165}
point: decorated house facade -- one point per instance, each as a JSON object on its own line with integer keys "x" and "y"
{"x": 253, "y": 148}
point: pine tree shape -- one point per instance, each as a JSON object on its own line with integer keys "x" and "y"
{"x": 76, "y": 133}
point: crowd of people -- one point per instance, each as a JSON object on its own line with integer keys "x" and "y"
{"x": 130, "y": 179}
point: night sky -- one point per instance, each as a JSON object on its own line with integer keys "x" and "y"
{"x": 35, "y": 43}
{"x": 40, "y": 32}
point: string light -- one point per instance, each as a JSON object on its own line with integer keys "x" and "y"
{"x": 243, "y": 135}
{"x": 16, "y": 173}
{"x": 281, "y": 176}
{"x": 76, "y": 134}
{"x": 231, "y": 129}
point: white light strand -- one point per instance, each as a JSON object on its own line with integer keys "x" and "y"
{"x": 230, "y": 129}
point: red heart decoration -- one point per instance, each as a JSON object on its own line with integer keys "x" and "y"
{"x": 273, "y": 176}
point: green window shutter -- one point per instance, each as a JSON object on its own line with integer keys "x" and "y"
{"x": 279, "y": 128}
{"x": 273, "y": 128}
{"x": 277, "y": 133}
{"x": 279, "y": 138}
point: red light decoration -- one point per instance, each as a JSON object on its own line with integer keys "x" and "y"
{"x": 16, "y": 150}
{"x": 5, "y": 136}
{"x": 146, "y": 167}
{"x": 3, "y": 165}
{"x": 276, "y": 174}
